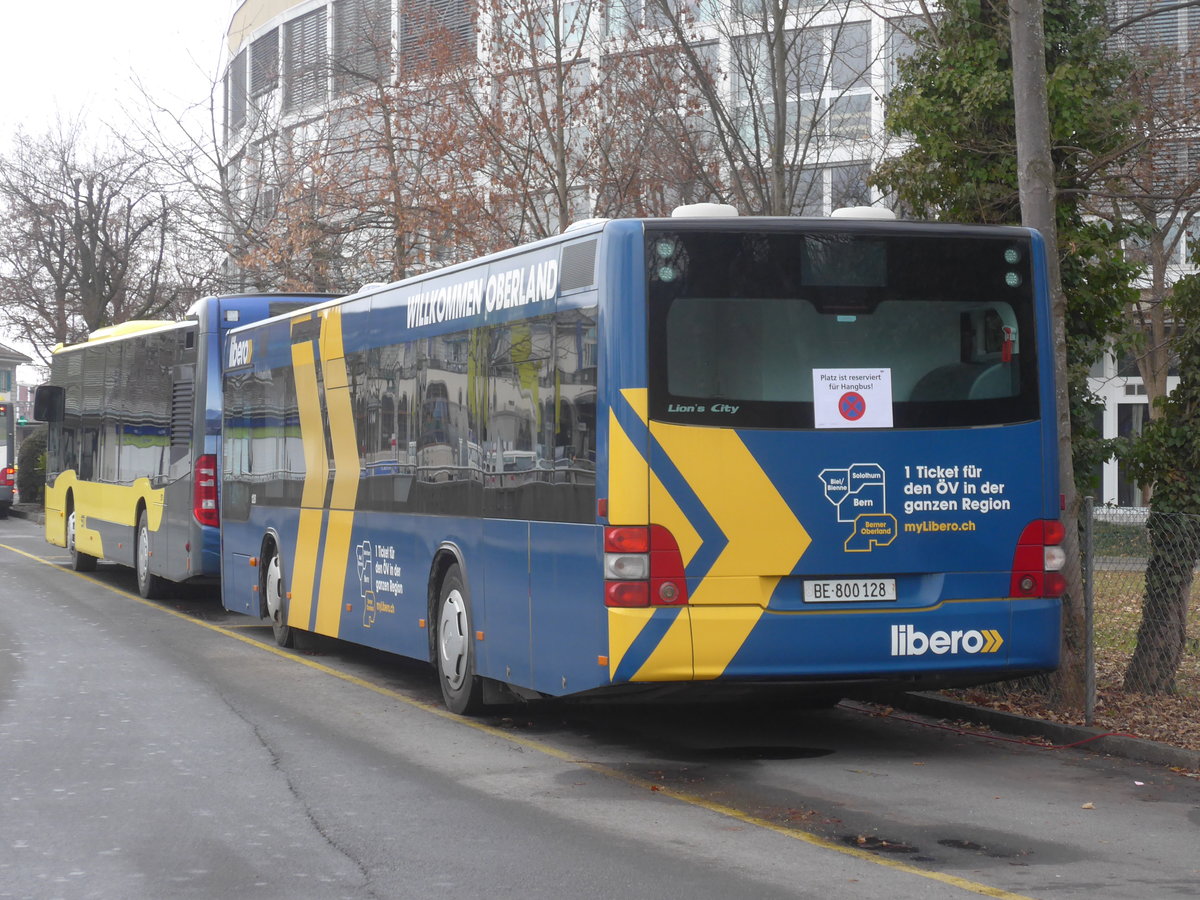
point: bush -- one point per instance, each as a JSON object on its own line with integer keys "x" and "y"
{"x": 31, "y": 466}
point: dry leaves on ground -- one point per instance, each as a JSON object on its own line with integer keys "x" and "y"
{"x": 1168, "y": 719}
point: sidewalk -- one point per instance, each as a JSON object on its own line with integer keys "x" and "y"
{"x": 30, "y": 511}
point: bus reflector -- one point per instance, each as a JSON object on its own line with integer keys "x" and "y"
{"x": 643, "y": 567}
{"x": 204, "y": 491}
{"x": 1038, "y": 560}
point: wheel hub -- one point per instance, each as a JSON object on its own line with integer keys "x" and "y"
{"x": 274, "y": 588}
{"x": 452, "y": 639}
{"x": 143, "y": 555}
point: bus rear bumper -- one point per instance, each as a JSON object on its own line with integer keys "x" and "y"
{"x": 957, "y": 642}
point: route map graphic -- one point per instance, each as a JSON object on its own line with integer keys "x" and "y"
{"x": 859, "y": 494}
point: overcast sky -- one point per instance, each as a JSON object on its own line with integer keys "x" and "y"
{"x": 78, "y": 57}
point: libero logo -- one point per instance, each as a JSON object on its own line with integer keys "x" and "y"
{"x": 241, "y": 353}
{"x": 907, "y": 641}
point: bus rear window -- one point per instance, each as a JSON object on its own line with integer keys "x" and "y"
{"x": 743, "y": 322}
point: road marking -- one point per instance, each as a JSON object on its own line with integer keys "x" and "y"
{"x": 601, "y": 769}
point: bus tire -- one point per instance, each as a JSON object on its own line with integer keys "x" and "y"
{"x": 150, "y": 586}
{"x": 462, "y": 689}
{"x": 275, "y": 599}
{"x": 80, "y": 561}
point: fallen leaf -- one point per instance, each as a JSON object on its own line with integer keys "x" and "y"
{"x": 1088, "y": 806}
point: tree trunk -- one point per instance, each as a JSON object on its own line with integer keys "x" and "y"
{"x": 1162, "y": 635}
{"x": 1035, "y": 172}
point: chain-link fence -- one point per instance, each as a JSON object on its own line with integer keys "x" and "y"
{"x": 1145, "y": 600}
{"x": 1142, "y": 587}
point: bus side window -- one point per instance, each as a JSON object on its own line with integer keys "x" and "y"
{"x": 88, "y": 450}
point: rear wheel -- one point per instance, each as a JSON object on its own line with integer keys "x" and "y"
{"x": 462, "y": 689}
{"x": 150, "y": 586}
{"x": 80, "y": 561}
{"x": 276, "y": 600}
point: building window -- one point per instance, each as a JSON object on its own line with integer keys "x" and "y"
{"x": 435, "y": 32}
{"x": 848, "y": 185}
{"x": 264, "y": 64}
{"x": 827, "y": 73}
{"x": 235, "y": 94}
{"x": 900, "y": 44}
{"x": 305, "y": 61}
{"x": 362, "y": 43}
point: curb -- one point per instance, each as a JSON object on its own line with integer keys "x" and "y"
{"x": 1093, "y": 740}
{"x": 28, "y": 511}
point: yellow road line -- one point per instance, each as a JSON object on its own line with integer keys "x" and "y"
{"x": 606, "y": 771}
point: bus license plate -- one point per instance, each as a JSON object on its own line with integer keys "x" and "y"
{"x": 850, "y": 590}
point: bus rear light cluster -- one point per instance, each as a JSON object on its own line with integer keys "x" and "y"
{"x": 204, "y": 491}
{"x": 7, "y": 474}
{"x": 1038, "y": 561}
{"x": 642, "y": 567}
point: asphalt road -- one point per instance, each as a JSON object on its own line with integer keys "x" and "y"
{"x": 169, "y": 749}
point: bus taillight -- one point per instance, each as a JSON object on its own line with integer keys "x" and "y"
{"x": 7, "y": 473}
{"x": 1038, "y": 561}
{"x": 643, "y": 567}
{"x": 204, "y": 491}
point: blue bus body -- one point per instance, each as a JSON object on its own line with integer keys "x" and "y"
{"x": 630, "y": 494}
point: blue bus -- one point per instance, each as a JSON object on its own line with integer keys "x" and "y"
{"x": 659, "y": 455}
{"x": 134, "y": 430}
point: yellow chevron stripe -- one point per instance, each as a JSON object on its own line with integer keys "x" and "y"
{"x": 335, "y": 555}
{"x": 312, "y": 499}
{"x": 341, "y": 413}
{"x": 304, "y": 570}
{"x": 672, "y": 658}
{"x": 764, "y": 537}
{"x": 668, "y": 514}
{"x": 335, "y": 559}
{"x": 628, "y": 471}
{"x": 312, "y": 428}
{"x": 624, "y": 625}
{"x": 718, "y": 633}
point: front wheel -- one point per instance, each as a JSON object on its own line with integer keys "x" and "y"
{"x": 462, "y": 689}
{"x": 80, "y": 561}
{"x": 276, "y": 601}
{"x": 150, "y": 586}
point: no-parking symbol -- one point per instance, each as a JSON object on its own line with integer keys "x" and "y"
{"x": 852, "y": 398}
{"x": 852, "y": 406}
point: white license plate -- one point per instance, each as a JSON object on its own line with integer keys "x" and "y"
{"x": 850, "y": 590}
